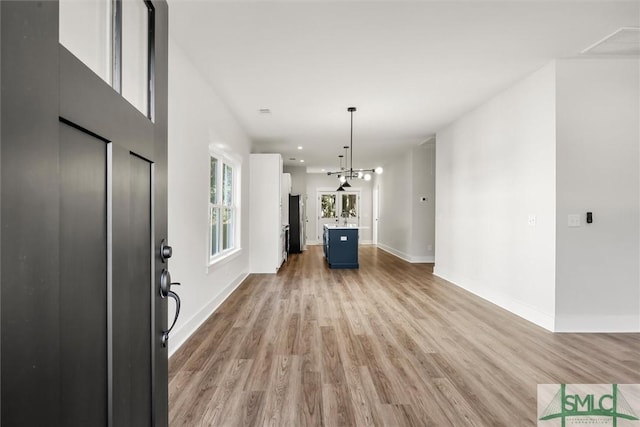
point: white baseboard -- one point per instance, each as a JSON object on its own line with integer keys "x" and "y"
{"x": 180, "y": 336}
{"x": 516, "y": 307}
{"x": 313, "y": 242}
{"x": 409, "y": 258}
{"x": 598, "y": 324}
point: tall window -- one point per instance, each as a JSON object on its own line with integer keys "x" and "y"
{"x": 223, "y": 206}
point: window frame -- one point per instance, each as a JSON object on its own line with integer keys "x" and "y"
{"x": 115, "y": 77}
{"x": 116, "y": 34}
{"x": 236, "y": 167}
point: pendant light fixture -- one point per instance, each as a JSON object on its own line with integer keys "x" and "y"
{"x": 341, "y": 178}
{"x": 344, "y": 174}
{"x": 346, "y": 184}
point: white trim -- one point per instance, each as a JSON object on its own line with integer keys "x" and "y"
{"x": 325, "y": 190}
{"x": 235, "y": 162}
{"x": 222, "y": 154}
{"x": 526, "y": 311}
{"x": 597, "y": 324}
{"x": 604, "y": 39}
{"x": 180, "y": 336}
{"x": 223, "y": 259}
{"x": 409, "y": 258}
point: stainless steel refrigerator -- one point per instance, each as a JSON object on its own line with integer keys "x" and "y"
{"x": 296, "y": 223}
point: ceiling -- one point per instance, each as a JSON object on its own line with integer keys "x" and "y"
{"x": 409, "y": 67}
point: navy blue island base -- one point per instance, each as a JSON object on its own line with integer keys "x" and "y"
{"x": 341, "y": 246}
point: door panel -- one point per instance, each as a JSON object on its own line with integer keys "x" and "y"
{"x": 133, "y": 289}
{"x": 140, "y": 287}
{"x": 120, "y": 293}
{"x": 349, "y": 207}
{"x": 83, "y": 278}
{"x": 327, "y": 211}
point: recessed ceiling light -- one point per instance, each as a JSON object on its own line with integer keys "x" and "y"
{"x": 264, "y": 111}
{"x": 322, "y": 170}
{"x": 299, "y": 147}
{"x": 301, "y": 161}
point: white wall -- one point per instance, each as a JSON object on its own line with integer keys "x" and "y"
{"x": 298, "y": 179}
{"x": 406, "y": 223}
{"x": 495, "y": 167}
{"x": 394, "y": 223}
{"x": 598, "y": 146}
{"x": 316, "y": 181}
{"x": 423, "y": 222}
{"x": 197, "y": 118}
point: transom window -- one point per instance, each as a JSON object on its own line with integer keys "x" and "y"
{"x": 223, "y": 206}
{"x": 115, "y": 39}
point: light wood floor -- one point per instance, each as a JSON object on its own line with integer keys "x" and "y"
{"x": 388, "y": 344}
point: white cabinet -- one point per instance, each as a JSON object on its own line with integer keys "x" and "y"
{"x": 265, "y": 213}
{"x": 284, "y": 197}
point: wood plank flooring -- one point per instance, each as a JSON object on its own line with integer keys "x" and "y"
{"x": 388, "y": 344}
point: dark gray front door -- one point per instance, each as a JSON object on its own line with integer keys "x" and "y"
{"x": 83, "y": 277}
{"x": 82, "y": 214}
{"x": 133, "y": 289}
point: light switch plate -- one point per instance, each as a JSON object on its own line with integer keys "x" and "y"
{"x": 532, "y": 220}
{"x": 573, "y": 220}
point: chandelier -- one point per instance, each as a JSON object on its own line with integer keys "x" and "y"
{"x": 347, "y": 172}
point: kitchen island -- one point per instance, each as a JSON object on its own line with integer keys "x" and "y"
{"x": 340, "y": 244}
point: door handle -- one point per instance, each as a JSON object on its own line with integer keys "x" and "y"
{"x": 165, "y": 334}
{"x": 165, "y": 283}
{"x": 166, "y": 292}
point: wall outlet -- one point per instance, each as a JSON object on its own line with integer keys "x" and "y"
{"x": 573, "y": 220}
{"x": 532, "y": 220}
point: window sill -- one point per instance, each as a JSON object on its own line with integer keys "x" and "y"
{"x": 222, "y": 260}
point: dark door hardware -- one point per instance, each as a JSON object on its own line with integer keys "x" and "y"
{"x": 165, "y": 334}
{"x": 165, "y": 283}
{"x": 166, "y": 292}
{"x": 166, "y": 251}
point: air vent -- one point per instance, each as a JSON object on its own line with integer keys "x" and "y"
{"x": 264, "y": 111}
{"x": 622, "y": 42}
